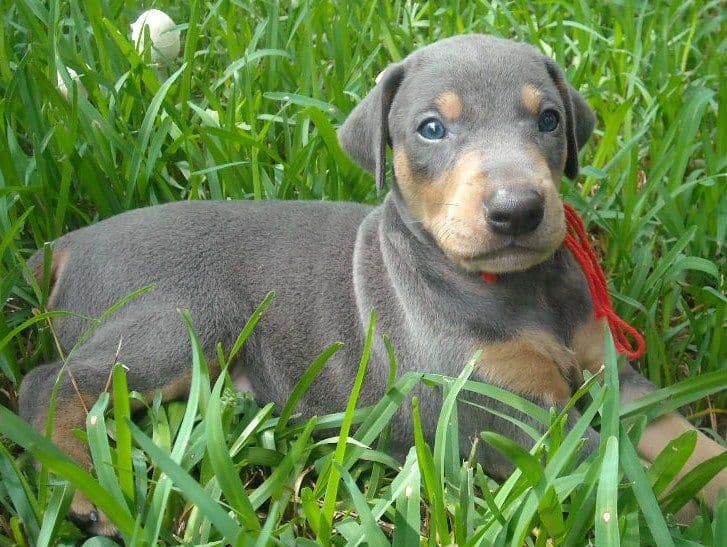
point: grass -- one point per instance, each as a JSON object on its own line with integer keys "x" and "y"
{"x": 249, "y": 112}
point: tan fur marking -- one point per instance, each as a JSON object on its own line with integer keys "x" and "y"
{"x": 58, "y": 264}
{"x": 588, "y": 345}
{"x": 178, "y": 388}
{"x": 449, "y": 105}
{"x": 450, "y": 208}
{"x": 666, "y": 428}
{"x": 548, "y": 182}
{"x": 533, "y": 364}
{"x": 173, "y": 391}
{"x": 531, "y": 98}
{"x": 548, "y": 178}
{"x": 60, "y": 259}
{"x": 69, "y": 415}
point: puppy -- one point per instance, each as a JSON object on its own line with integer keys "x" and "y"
{"x": 481, "y": 129}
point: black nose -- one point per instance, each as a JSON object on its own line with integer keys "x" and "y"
{"x": 514, "y": 211}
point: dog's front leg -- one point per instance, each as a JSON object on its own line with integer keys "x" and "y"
{"x": 660, "y": 432}
{"x": 535, "y": 366}
{"x": 588, "y": 347}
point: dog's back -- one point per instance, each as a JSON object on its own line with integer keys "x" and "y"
{"x": 202, "y": 254}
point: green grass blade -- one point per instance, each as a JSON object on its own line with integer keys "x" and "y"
{"x": 634, "y": 470}
{"x": 670, "y": 398}
{"x": 446, "y": 438}
{"x": 57, "y": 462}
{"x": 310, "y": 509}
{"x": 407, "y": 523}
{"x": 284, "y": 474}
{"x": 434, "y": 487}
{"x": 252, "y": 426}
{"x": 98, "y": 444}
{"x": 54, "y": 513}
{"x": 145, "y": 133}
{"x": 691, "y": 483}
{"x": 550, "y": 511}
{"x": 370, "y": 528}
{"x": 326, "y": 523}
{"x": 382, "y": 412}
{"x": 671, "y": 460}
{"x": 198, "y": 393}
{"x": 266, "y": 534}
{"x": 122, "y": 415}
{"x": 18, "y": 491}
{"x": 528, "y": 464}
{"x": 611, "y": 404}
{"x": 719, "y": 526}
{"x": 221, "y": 463}
{"x": 303, "y": 384}
{"x": 188, "y": 487}
{"x": 607, "y": 531}
{"x": 250, "y": 324}
{"x": 508, "y": 397}
{"x": 404, "y": 492}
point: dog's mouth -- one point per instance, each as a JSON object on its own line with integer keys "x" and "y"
{"x": 511, "y": 257}
{"x": 505, "y": 251}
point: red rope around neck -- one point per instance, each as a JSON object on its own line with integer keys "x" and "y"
{"x": 576, "y": 239}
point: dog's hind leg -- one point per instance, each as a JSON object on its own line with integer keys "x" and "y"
{"x": 70, "y": 414}
{"x": 157, "y": 359}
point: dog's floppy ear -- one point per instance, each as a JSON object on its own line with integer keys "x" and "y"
{"x": 579, "y": 121}
{"x": 365, "y": 133}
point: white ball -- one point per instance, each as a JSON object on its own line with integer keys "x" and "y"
{"x": 75, "y": 78}
{"x": 164, "y": 37}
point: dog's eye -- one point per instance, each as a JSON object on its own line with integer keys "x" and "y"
{"x": 548, "y": 121}
{"x": 432, "y": 129}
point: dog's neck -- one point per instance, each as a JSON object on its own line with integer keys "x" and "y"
{"x": 421, "y": 244}
{"x": 418, "y": 251}
{"x": 428, "y": 288}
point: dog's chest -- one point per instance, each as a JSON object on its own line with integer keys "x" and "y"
{"x": 438, "y": 317}
{"x": 445, "y": 339}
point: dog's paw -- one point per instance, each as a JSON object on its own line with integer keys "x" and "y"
{"x": 87, "y": 517}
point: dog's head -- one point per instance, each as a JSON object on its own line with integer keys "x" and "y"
{"x": 482, "y": 129}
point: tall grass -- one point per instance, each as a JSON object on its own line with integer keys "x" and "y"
{"x": 249, "y": 111}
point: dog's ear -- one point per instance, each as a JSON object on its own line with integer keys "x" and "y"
{"x": 579, "y": 121}
{"x": 365, "y": 133}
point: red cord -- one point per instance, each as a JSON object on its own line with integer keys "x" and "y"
{"x": 576, "y": 239}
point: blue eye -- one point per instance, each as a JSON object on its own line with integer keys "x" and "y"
{"x": 432, "y": 129}
{"x": 548, "y": 121}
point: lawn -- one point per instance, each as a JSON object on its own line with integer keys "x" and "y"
{"x": 248, "y": 111}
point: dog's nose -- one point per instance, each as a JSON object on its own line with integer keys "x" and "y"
{"x": 514, "y": 211}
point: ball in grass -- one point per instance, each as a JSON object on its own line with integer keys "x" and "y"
{"x": 162, "y": 32}
{"x": 74, "y": 78}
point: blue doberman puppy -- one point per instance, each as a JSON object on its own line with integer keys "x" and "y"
{"x": 481, "y": 129}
